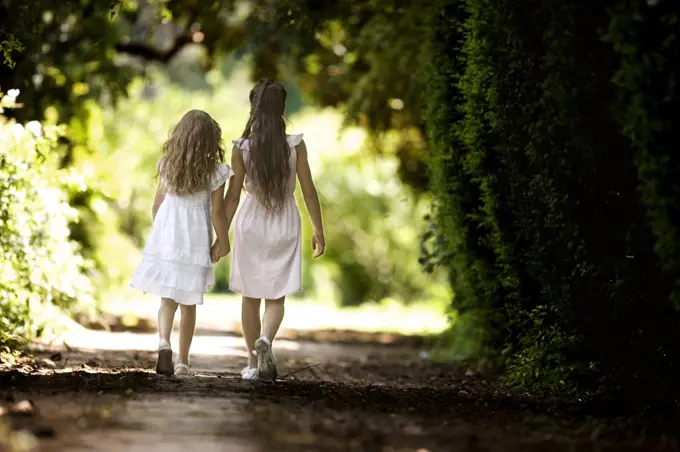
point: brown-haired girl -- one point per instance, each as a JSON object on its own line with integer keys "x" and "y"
{"x": 179, "y": 254}
{"x": 266, "y": 262}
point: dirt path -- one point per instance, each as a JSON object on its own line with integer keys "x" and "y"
{"x": 98, "y": 393}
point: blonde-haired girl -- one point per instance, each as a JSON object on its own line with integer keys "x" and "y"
{"x": 179, "y": 254}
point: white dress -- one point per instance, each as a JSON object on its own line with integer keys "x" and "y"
{"x": 267, "y": 252}
{"x": 176, "y": 262}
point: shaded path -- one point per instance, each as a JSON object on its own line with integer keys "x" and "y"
{"x": 98, "y": 393}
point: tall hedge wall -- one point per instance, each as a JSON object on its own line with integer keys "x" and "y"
{"x": 557, "y": 186}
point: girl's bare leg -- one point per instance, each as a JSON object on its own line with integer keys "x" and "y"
{"x": 250, "y": 319}
{"x": 187, "y": 327}
{"x": 166, "y": 317}
{"x": 273, "y": 316}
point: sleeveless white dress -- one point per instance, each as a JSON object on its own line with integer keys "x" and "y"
{"x": 176, "y": 262}
{"x": 267, "y": 251}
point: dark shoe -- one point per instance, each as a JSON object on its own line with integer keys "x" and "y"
{"x": 164, "y": 362}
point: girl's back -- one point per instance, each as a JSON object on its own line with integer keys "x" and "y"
{"x": 267, "y": 257}
{"x": 251, "y": 185}
{"x": 182, "y": 229}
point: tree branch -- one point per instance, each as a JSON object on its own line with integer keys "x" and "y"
{"x": 152, "y": 54}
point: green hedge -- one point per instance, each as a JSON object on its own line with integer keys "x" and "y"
{"x": 39, "y": 263}
{"x": 557, "y": 188}
{"x": 454, "y": 183}
{"x": 646, "y": 41}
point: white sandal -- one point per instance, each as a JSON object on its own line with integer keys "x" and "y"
{"x": 186, "y": 370}
{"x": 249, "y": 373}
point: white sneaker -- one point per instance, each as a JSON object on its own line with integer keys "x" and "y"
{"x": 266, "y": 364}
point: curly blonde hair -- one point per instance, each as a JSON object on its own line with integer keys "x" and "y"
{"x": 191, "y": 154}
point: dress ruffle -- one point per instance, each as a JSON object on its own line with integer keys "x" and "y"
{"x": 180, "y": 296}
{"x": 241, "y": 143}
{"x": 222, "y": 173}
{"x": 294, "y": 140}
{"x": 183, "y": 283}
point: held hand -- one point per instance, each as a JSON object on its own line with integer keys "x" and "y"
{"x": 219, "y": 250}
{"x": 318, "y": 245}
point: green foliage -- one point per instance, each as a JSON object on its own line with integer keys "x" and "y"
{"x": 27, "y": 23}
{"x": 8, "y": 46}
{"x": 363, "y": 57}
{"x": 60, "y": 54}
{"x": 456, "y": 194}
{"x": 40, "y": 263}
{"x": 373, "y": 220}
{"x": 554, "y": 254}
{"x": 645, "y": 39}
{"x": 67, "y": 62}
{"x": 362, "y": 54}
{"x": 359, "y": 54}
{"x": 547, "y": 358}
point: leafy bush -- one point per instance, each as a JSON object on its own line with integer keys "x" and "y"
{"x": 40, "y": 263}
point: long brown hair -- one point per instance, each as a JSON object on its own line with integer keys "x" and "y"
{"x": 191, "y": 154}
{"x": 268, "y": 165}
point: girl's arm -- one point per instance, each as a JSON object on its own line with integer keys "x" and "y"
{"x": 217, "y": 217}
{"x": 311, "y": 198}
{"x": 233, "y": 197}
{"x": 158, "y": 200}
{"x": 221, "y": 247}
